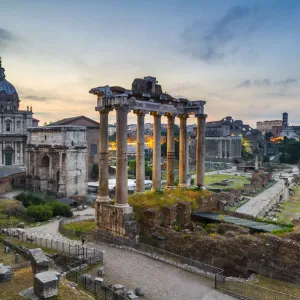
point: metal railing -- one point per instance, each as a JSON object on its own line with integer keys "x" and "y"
{"x": 72, "y": 249}
{"x": 100, "y": 290}
{"x": 246, "y": 290}
{"x": 234, "y": 286}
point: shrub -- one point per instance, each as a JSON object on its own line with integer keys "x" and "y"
{"x": 29, "y": 199}
{"x": 60, "y": 209}
{"x": 40, "y": 213}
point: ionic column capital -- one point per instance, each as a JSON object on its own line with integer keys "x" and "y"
{"x": 155, "y": 114}
{"x": 201, "y": 116}
{"x": 123, "y": 109}
{"x": 183, "y": 116}
{"x": 139, "y": 112}
{"x": 105, "y": 110}
{"x": 170, "y": 115}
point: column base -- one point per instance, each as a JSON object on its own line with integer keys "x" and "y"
{"x": 183, "y": 185}
{"x": 103, "y": 199}
{"x": 170, "y": 187}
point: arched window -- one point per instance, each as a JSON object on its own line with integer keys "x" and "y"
{"x": 8, "y": 126}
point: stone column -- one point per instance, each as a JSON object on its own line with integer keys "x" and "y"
{"x": 200, "y": 150}
{"x": 103, "y": 157}
{"x": 156, "y": 160}
{"x": 187, "y": 157}
{"x": 220, "y": 153}
{"x": 16, "y": 154}
{"x": 61, "y": 183}
{"x": 122, "y": 159}
{"x": 21, "y": 153}
{"x": 231, "y": 144}
{"x": 140, "y": 152}
{"x": 170, "y": 152}
{"x": 36, "y": 171}
{"x": 226, "y": 148}
{"x": 50, "y": 166}
{"x": 1, "y": 153}
{"x": 61, "y": 167}
{"x": 182, "y": 151}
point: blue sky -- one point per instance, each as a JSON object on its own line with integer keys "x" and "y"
{"x": 242, "y": 57}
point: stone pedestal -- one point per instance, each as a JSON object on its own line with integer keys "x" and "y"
{"x": 112, "y": 218}
{"x": 45, "y": 285}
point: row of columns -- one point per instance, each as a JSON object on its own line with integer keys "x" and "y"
{"x": 229, "y": 148}
{"x": 121, "y": 193}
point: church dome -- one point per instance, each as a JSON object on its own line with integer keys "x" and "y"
{"x": 7, "y": 88}
{"x": 9, "y": 99}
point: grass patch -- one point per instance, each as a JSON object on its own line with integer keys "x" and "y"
{"x": 29, "y": 245}
{"x": 290, "y": 209}
{"x": 237, "y": 181}
{"x": 11, "y": 207}
{"x": 159, "y": 199}
{"x": 9, "y": 258}
{"x": 277, "y": 285}
{"x": 81, "y": 226}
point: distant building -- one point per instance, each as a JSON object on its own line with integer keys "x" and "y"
{"x": 131, "y": 127}
{"x": 285, "y": 120}
{"x": 13, "y": 124}
{"x": 266, "y": 126}
{"x": 92, "y": 136}
{"x": 112, "y": 129}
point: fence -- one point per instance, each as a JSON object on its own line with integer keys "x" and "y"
{"x": 93, "y": 255}
{"x": 100, "y": 290}
{"x": 237, "y": 287}
{"x": 229, "y": 285}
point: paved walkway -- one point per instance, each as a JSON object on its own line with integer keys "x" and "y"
{"x": 256, "y": 204}
{"x": 159, "y": 280}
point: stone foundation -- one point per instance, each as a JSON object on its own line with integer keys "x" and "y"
{"x": 112, "y": 218}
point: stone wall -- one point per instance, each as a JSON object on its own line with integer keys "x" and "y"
{"x": 239, "y": 253}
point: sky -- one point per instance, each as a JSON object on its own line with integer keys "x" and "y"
{"x": 242, "y": 57}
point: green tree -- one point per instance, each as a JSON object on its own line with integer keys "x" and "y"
{"x": 268, "y": 136}
{"x": 60, "y": 209}
{"x": 164, "y": 149}
{"x": 113, "y": 137}
{"x": 40, "y": 213}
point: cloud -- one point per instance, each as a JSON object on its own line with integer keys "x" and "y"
{"x": 262, "y": 83}
{"x": 215, "y": 41}
{"x": 5, "y": 38}
{"x": 35, "y": 98}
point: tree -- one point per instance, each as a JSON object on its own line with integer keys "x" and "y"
{"x": 290, "y": 150}
{"x": 113, "y": 137}
{"x": 132, "y": 168}
{"x": 40, "y": 213}
{"x": 60, "y": 209}
{"x": 268, "y": 136}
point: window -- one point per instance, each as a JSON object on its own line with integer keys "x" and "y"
{"x": 45, "y": 138}
{"x": 93, "y": 149}
{"x": 7, "y": 126}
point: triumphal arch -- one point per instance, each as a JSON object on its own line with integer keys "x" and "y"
{"x": 145, "y": 97}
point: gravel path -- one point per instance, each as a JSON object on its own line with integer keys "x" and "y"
{"x": 159, "y": 280}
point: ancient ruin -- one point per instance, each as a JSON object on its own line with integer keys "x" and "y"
{"x": 57, "y": 160}
{"x": 145, "y": 97}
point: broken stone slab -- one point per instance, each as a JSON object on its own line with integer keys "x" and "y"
{"x": 98, "y": 280}
{"x": 117, "y": 294}
{"x": 39, "y": 261}
{"x": 5, "y": 273}
{"x": 132, "y": 296}
{"x": 45, "y": 285}
{"x": 118, "y": 287}
{"x": 101, "y": 271}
